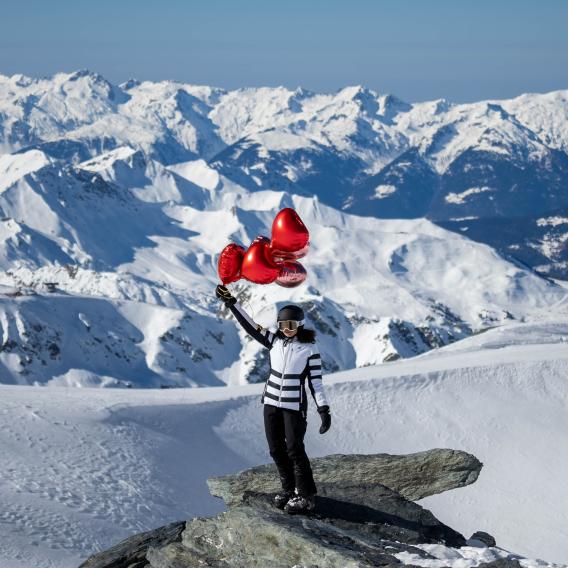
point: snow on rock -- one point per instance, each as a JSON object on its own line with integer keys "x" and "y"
{"x": 552, "y": 221}
{"x": 15, "y": 166}
{"x": 459, "y": 198}
{"x": 382, "y": 191}
{"x": 198, "y": 172}
{"x": 546, "y": 114}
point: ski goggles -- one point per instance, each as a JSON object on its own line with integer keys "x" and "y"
{"x": 290, "y": 324}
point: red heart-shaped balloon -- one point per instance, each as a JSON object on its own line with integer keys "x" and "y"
{"x": 229, "y": 264}
{"x": 291, "y": 274}
{"x": 258, "y": 265}
{"x": 290, "y": 237}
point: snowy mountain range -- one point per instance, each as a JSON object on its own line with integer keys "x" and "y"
{"x": 493, "y": 169}
{"x": 429, "y": 222}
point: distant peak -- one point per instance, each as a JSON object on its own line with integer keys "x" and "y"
{"x": 86, "y": 79}
{"x": 497, "y": 109}
{"x": 76, "y": 75}
{"x": 441, "y": 105}
{"x": 391, "y": 102}
{"x": 20, "y": 80}
{"x": 106, "y": 160}
{"x": 301, "y": 92}
{"x": 130, "y": 84}
{"x": 357, "y": 92}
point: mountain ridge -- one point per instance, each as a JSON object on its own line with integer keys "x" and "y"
{"x": 129, "y": 193}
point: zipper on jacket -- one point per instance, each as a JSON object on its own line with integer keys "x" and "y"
{"x": 284, "y": 367}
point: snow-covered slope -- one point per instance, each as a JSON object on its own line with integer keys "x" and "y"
{"x": 495, "y": 170}
{"x": 128, "y": 193}
{"x": 132, "y": 245}
{"x": 84, "y": 468}
{"x": 166, "y": 118}
{"x": 81, "y": 114}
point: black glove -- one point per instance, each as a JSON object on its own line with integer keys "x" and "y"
{"x": 325, "y": 419}
{"x": 223, "y": 293}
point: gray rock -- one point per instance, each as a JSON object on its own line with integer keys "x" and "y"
{"x": 254, "y": 537}
{"x": 484, "y": 538}
{"x": 382, "y": 512}
{"x": 361, "y": 519}
{"x": 176, "y": 555}
{"x": 131, "y": 552}
{"x": 385, "y": 514}
{"x": 359, "y": 530}
{"x": 414, "y": 476}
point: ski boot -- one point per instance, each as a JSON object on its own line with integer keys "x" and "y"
{"x": 299, "y": 505}
{"x": 280, "y": 499}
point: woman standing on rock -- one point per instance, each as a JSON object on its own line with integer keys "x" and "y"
{"x": 294, "y": 358}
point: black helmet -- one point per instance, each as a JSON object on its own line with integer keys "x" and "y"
{"x": 291, "y": 312}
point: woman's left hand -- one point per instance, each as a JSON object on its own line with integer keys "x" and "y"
{"x": 223, "y": 293}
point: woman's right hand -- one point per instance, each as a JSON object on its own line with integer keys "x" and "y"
{"x": 223, "y": 293}
{"x": 325, "y": 419}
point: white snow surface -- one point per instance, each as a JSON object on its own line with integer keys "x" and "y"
{"x": 143, "y": 218}
{"x": 200, "y": 121}
{"x": 383, "y": 191}
{"x": 131, "y": 236}
{"x": 123, "y": 235}
{"x": 83, "y": 468}
{"x": 460, "y": 198}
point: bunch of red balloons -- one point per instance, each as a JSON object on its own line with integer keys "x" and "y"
{"x": 269, "y": 260}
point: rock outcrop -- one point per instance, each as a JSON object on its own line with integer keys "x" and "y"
{"x": 414, "y": 476}
{"x": 131, "y": 552}
{"x": 364, "y": 517}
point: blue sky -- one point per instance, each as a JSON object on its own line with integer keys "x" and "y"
{"x": 417, "y": 49}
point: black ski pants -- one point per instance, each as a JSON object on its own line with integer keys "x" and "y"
{"x": 285, "y": 430}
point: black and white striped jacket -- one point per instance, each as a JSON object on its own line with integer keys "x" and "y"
{"x": 292, "y": 363}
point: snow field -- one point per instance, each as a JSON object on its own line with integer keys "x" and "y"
{"x": 83, "y": 468}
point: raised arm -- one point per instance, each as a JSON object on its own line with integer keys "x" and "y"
{"x": 263, "y": 336}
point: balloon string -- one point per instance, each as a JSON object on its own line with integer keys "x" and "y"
{"x": 250, "y": 308}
